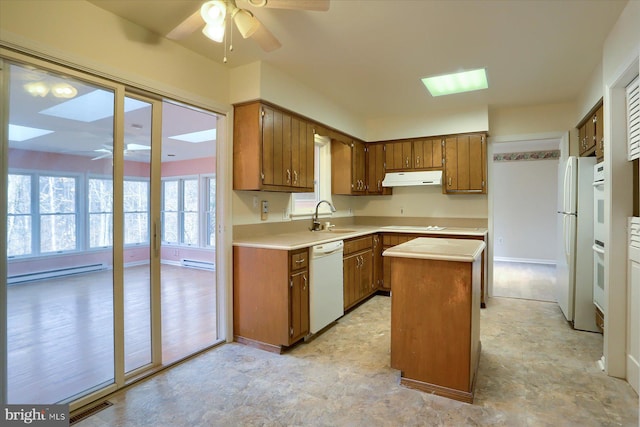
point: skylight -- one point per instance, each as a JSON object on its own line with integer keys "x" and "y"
{"x": 465, "y": 81}
{"x": 196, "y": 137}
{"x": 22, "y": 133}
{"x": 91, "y": 106}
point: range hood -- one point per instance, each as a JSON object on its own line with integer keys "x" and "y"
{"x": 404, "y": 179}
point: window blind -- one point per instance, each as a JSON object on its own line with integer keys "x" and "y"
{"x": 633, "y": 119}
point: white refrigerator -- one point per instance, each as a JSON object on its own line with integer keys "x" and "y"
{"x": 574, "y": 267}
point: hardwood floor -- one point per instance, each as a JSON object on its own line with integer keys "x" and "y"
{"x": 60, "y": 331}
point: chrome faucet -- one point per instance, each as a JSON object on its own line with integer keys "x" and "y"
{"x": 316, "y": 224}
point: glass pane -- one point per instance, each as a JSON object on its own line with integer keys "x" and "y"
{"x": 57, "y": 233}
{"x": 136, "y": 228}
{"x": 170, "y": 196}
{"x": 188, "y": 279}
{"x": 57, "y": 194}
{"x": 190, "y": 232}
{"x": 170, "y": 227}
{"x": 19, "y": 194}
{"x": 100, "y": 230}
{"x": 18, "y": 235}
{"x": 59, "y": 309}
{"x": 191, "y": 195}
{"x": 137, "y": 278}
{"x": 136, "y": 196}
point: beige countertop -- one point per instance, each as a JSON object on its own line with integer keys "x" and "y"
{"x": 460, "y": 250}
{"x": 303, "y": 239}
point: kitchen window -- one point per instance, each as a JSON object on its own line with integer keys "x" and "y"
{"x": 304, "y": 204}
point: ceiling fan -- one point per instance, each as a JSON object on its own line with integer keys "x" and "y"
{"x": 107, "y": 150}
{"x": 215, "y": 14}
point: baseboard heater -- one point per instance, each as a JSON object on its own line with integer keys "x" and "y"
{"x": 58, "y": 272}
{"x": 203, "y": 265}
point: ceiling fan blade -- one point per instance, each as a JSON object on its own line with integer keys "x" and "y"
{"x": 137, "y": 147}
{"x": 186, "y": 27}
{"x": 104, "y": 156}
{"x": 267, "y": 41}
{"x": 316, "y": 5}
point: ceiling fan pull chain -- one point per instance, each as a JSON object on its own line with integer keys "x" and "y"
{"x": 224, "y": 60}
{"x": 230, "y": 35}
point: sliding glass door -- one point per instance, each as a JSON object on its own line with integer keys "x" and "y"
{"x": 110, "y": 236}
{"x": 59, "y": 288}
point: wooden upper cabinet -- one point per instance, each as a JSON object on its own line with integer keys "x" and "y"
{"x": 599, "y": 132}
{"x": 427, "y": 153}
{"x": 465, "y": 166}
{"x": 376, "y": 169}
{"x": 348, "y": 166}
{"x": 272, "y": 149}
{"x": 591, "y": 133}
{"x": 399, "y": 155}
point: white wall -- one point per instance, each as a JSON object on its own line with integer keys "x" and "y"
{"x": 620, "y": 63}
{"x": 524, "y": 210}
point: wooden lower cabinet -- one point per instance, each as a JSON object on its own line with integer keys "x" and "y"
{"x": 392, "y": 239}
{"x": 270, "y": 297}
{"x": 358, "y": 262}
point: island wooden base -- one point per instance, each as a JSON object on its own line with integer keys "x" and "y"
{"x": 435, "y": 325}
{"x": 462, "y": 396}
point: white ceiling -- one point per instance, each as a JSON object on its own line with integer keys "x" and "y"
{"x": 369, "y": 55}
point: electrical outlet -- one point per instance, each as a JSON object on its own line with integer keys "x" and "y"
{"x": 264, "y": 211}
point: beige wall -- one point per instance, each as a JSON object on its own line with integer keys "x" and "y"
{"x": 436, "y": 123}
{"x": 81, "y": 33}
{"x": 529, "y": 121}
{"x": 422, "y": 202}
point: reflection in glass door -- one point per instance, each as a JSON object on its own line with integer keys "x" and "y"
{"x": 188, "y": 280}
{"x": 60, "y": 288}
{"x": 137, "y": 232}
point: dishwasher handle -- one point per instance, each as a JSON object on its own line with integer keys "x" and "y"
{"x": 327, "y": 249}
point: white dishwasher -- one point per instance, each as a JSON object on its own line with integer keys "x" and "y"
{"x": 326, "y": 298}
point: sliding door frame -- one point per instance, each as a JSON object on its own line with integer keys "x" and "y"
{"x": 122, "y": 87}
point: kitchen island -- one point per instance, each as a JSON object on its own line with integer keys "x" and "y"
{"x": 435, "y": 314}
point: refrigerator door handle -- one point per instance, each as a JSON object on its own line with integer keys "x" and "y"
{"x": 566, "y": 237}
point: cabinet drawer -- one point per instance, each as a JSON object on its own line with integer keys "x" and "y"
{"x": 299, "y": 259}
{"x": 358, "y": 244}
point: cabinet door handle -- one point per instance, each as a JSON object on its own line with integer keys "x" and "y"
{"x": 418, "y": 161}
{"x": 304, "y": 286}
{"x": 299, "y": 261}
{"x": 449, "y": 182}
{"x": 288, "y": 175}
{"x": 406, "y": 162}
{"x": 295, "y": 177}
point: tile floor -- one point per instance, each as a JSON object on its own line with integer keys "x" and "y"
{"x": 534, "y": 371}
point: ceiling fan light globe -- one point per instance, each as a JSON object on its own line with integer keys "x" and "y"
{"x": 214, "y": 32}
{"x": 213, "y": 12}
{"x": 246, "y": 23}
